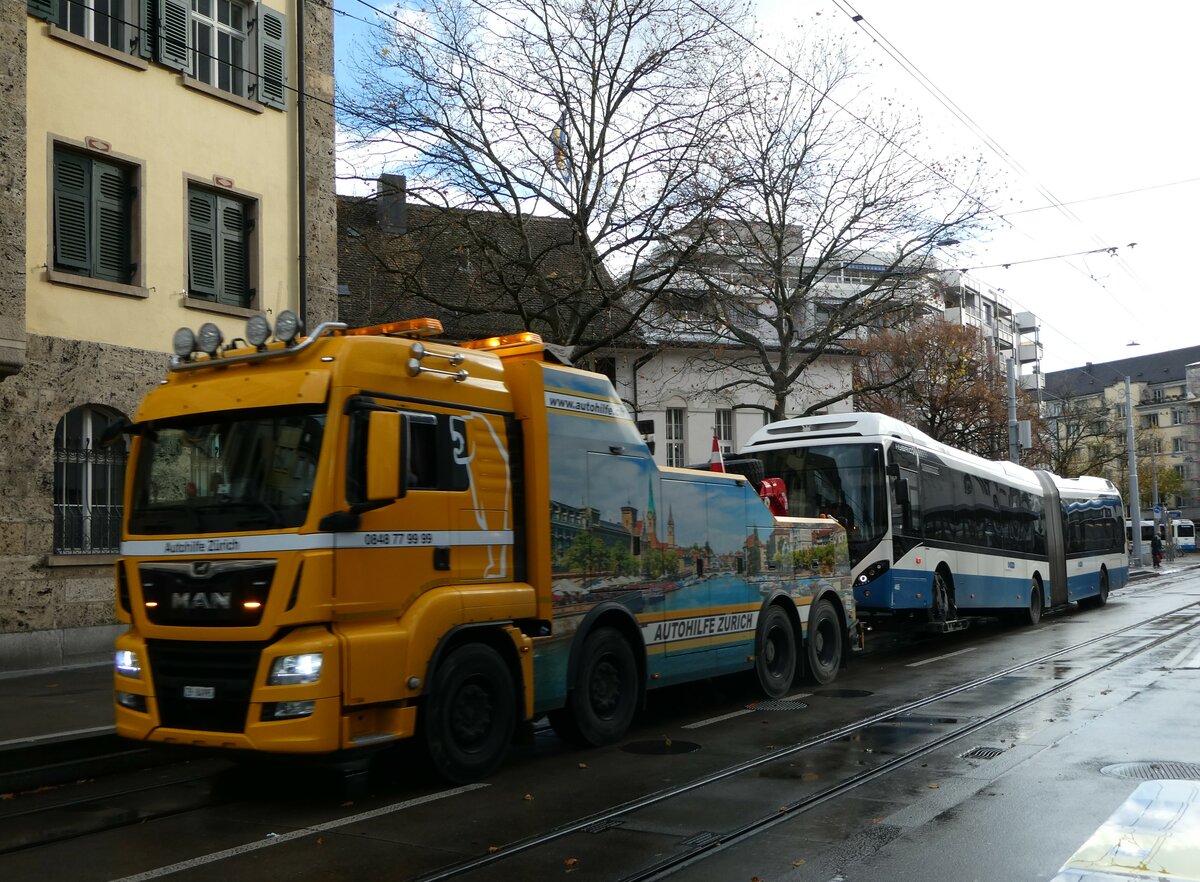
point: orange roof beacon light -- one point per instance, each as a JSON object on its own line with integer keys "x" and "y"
{"x": 521, "y": 339}
{"x": 420, "y": 327}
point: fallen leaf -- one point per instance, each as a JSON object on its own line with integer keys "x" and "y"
{"x": 583, "y": 765}
{"x": 320, "y": 840}
{"x": 934, "y": 786}
{"x": 528, "y": 797}
{"x": 798, "y": 862}
{"x": 570, "y": 862}
{"x": 492, "y": 849}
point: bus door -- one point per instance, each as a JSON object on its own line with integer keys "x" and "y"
{"x": 907, "y": 528}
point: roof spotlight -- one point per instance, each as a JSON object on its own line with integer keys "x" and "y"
{"x": 209, "y": 339}
{"x": 288, "y": 327}
{"x": 258, "y": 329}
{"x": 184, "y": 342}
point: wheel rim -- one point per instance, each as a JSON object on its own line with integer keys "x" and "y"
{"x": 776, "y": 655}
{"x": 825, "y": 642}
{"x": 604, "y": 691}
{"x": 941, "y": 598}
{"x": 473, "y": 715}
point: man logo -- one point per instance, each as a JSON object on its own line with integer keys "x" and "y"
{"x": 200, "y": 600}
{"x": 201, "y": 568}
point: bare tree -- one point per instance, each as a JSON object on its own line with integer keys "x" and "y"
{"x": 1078, "y": 436}
{"x": 823, "y": 225}
{"x": 941, "y": 378}
{"x": 596, "y": 112}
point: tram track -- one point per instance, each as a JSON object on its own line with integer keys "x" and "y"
{"x": 711, "y": 845}
{"x": 197, "y": 792}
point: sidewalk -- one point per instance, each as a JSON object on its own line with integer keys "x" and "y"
{"x": 44, "y": 707}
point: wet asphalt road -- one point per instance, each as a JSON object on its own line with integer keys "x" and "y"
{"x": 860, "y": 780}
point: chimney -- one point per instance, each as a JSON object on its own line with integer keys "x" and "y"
{"x": 391, "y": 206}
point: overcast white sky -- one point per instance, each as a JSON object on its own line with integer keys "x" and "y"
{"x": 1087, "y": 98}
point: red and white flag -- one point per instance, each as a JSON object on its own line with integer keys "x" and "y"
{"x": 716, "y": 463}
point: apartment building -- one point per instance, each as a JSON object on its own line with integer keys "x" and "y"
{"x": 169, "y": 163}
{"x": 1164, "y": 392}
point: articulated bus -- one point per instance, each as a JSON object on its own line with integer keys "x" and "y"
{"x": 1182, "y": 530}
{"x": 937, "y": 533}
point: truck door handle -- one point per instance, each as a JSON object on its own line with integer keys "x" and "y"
{"x": 441, "y": 557}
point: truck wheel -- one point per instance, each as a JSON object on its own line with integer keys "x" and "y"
{"x": 470, "y": 714}
{"x": 775, "y": 655}
{"x": 823, "y": 643}
{"x": 604, "y": 694}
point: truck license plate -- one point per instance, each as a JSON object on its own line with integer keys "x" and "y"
{"x": 199, "y": 692}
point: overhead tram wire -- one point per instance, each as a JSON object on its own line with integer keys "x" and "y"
{"x": 1133, "y": 192}
{"x": 963, "y": 117}
{"x": 863, "y": 122}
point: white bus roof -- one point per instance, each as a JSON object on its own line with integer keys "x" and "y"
{"x": 849, "y": 426}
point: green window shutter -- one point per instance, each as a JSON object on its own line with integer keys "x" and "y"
{"x": 233, "y": 268}
{"x": 72, "y": 221}
{"x": 143, "y": 43}
{"x": 202, "y": 244}
{"x": 47, "y": 9}
{"x": 110, "y": 219}
{"x": 272, "y": 58}
{"x": 174, "y": 22}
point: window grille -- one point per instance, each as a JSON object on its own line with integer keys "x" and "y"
{"x": 88, "y": 482}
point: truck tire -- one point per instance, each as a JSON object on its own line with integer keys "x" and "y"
{"x": 775, "y": 657}
{"x": 823, "y": 643}
{"x": 470, "y": 714}
{"x": 604, "y": 694}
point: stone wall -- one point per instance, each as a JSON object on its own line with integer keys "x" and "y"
{"x": 54, "y": 610}
{"x": 320, "y": 234}
{"x": 12, "y": 187}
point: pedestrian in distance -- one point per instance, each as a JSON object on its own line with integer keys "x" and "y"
{"x": 1156, "y": 548}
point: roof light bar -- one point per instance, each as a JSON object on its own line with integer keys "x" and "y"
{"x": 421, "y": 327}
{"x": 521, "y": 339}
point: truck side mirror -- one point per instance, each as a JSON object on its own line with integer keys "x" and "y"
{"x": 385, "y": 478}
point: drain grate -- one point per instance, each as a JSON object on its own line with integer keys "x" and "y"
{"x": 780, "y": 705}
{"x": 701, "y": 839}
{"x": 661, "y": 747}
{"x": 601, "y": 826}
{"x": 982, "y": 753}
{"x": 1153, "y": 771}
{"x": 844, "y": 693}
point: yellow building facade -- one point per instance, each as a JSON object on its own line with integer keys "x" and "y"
{"x": 170, "y": 165}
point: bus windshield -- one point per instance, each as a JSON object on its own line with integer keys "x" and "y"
{"x": 228, "y": 472}
{"x": 845, "y": 481}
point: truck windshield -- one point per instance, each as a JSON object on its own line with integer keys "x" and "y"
{"x": 228, "y": 472}
{"x": 844, "y": 481}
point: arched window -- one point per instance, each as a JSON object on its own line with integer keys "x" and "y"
{"x": 88, "y": 481}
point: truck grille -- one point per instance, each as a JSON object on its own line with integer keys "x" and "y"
{"x": 203, "y": 686}
{"x": 206, "y": 593}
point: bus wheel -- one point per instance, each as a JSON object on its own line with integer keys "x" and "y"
{"x": 823, "y": 645}
{"x": 775, "y": 655}
{"x": 941, "y": 605}
{"x": 1034, "y": 613}
{"x": 604, "y": 695}
{"x": 470, "y": 714}
{"x": 1101, "y": 598}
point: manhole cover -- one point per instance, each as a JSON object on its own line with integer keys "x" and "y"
{"x": 1153, "y": 771}
{"x": 982, "y": 753}
{"x": 662, "y": 747}
{"x": 844, "y": 693}
{"x": 780, "y": 705}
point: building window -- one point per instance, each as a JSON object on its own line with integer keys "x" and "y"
{"x": 108, "y": 22}
{"x": 1178, "y": 416}
{"x": 93, "y": 216}
{"x": 676, "y": 440}
{"x": 219, "y": 44}
{"x": 1158, "y": 394}
{"x": 1150, "y": 421}
{"x": 1181, "y": 471}
{"x": 88, "y": 482}
{"x": 219, "y": 240}
{"x": 723, "y": 429}
{"x": 1178, "y": 445}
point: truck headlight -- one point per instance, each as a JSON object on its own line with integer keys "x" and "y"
{"x": 295, "y": 670}
{"x": 127, "y": 663}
